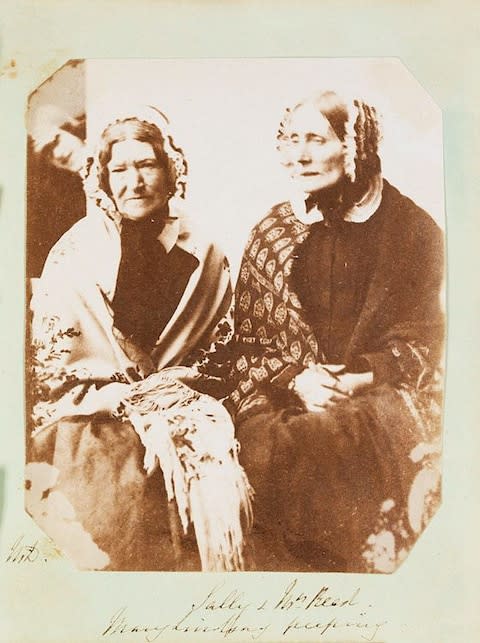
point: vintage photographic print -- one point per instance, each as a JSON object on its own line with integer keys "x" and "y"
{"x": 235, "y": 318}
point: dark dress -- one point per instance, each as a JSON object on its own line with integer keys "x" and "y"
{"x": 351, "y": 488}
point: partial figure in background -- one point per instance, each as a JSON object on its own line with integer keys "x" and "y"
{"x": 337, "y": 392}
{"x": 56, "y": 125}
{"x": 126, "y": 295}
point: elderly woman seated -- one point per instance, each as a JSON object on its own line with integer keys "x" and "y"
{"x": 338, "y": 338}
{"x": 129, "y": 292}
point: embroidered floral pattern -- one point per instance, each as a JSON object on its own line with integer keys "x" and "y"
{"x": 47, "y": 369}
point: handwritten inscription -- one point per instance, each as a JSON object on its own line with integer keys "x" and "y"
{"x": 322, "y": 598}
{"x": 39, "y": 551}
{"x": 21, "y": 552}
{"x": 230, "y": 612}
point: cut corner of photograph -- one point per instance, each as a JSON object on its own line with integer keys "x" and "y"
{"x": 146, "y": 374}
{"x": 235, "y": 359}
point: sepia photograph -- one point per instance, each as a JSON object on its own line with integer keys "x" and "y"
{"x": 235, "y": 305}
{"x": 239, "y": 338}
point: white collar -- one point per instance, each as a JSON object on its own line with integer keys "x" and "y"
{"x": 359, "y": 213}
{"x": 177, "y": 229}
{"x": 168, "y": 237}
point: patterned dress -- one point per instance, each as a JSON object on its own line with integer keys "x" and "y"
{"x": 350, "y": 488}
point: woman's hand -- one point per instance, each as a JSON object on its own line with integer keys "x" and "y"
{"x": 321, "y": 386}
{"x": 351, "y": 383}
{"x": 104, "y": 400}
{"x": 316, "y": 387}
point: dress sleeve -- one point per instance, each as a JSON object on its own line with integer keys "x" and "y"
{"x": 409, "y": 349}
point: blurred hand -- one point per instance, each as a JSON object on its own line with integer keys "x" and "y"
{"x": 103, "y": 400}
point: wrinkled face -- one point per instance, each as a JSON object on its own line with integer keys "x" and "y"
{"x": 313, "y": 153}
{"x": 138, "y": 182}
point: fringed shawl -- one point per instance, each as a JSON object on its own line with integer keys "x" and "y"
{"x": 78, "y": 354}
{"x": 79, "y": 357}
{"x": 75, "y": 343}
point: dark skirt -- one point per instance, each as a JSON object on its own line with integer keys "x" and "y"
{"x": 87, "y": 489}
{"x": 343, "y": 490}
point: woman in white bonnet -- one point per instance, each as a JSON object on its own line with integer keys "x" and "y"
{"x": 129, "y": 291}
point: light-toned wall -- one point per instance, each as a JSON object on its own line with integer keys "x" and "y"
{"x": 225, "y": 115}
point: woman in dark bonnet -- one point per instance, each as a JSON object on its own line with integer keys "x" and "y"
{"x": 338, "y": 339}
